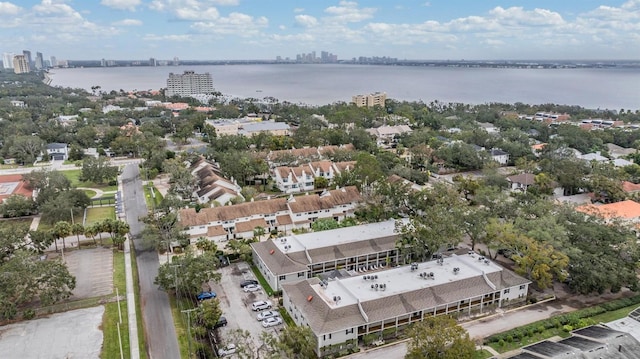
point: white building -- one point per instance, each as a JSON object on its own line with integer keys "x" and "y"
{"x": 279, "y": 214}
{"x": 341, "y": 311}
{"x": 7, "y": 60}
{"x": 189, "y": 83}
{"x": 212, "y": 186}
{"x": 298, "y": 257}
{"x": 58, "y": 151}
{"x": 388, "y": 134}
{"x": 302, "y": 178}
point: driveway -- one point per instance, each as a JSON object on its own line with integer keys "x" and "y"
{"x": 236, "y": 304}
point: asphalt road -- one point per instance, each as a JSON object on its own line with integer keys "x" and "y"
{"x": 160, "y": 333}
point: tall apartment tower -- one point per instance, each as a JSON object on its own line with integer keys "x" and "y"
{"x": 39, "y": 61}
{"x": 27, "y": 55}
{"x": 54, "y": 61}
{"x": 7, "y": 60}
{"x": 370, "y": 100}
{"x": 189, "y": 83}
{"x": 20, "y": 64}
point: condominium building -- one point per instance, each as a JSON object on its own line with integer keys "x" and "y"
{"x": 189, "y": 83}
{"x": 343, "y": 310}
{"x": 370, "y": 100}
{"x": 7, "y": 60}
{"x": 27, "y": 55}
{"x": 39, "y": 64}
{"x": 21, "y": 65}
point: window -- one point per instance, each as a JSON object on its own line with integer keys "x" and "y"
{"x": 522, "y": 287}
{"x": 282, "y": 277}
{"x": 506, "y": 291}
{"x": 301, "y": 274}
{"x": 349, "y": 331}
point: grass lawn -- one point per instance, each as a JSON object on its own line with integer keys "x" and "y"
{"x": 263, "y": 282}
{"x": 113, "y": 314}
{"x": 152, "y": 201}
{"x": 136, "y": 288}
{"x": 515, "y": 344}
{"x": 16, "y": 223}
{"x": 98, "y": 214}
{"x": 90, "y": 193}
{"x": 482, "y": 354}
{"x": 181, "y": 327}
{"x": 613, "y": 315}
{"x": 74, "y": 177}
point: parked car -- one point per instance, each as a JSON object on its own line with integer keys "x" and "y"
{"x": 251, "y": 288}
{"x": 206, "y": 295}
{"x": 223, "y": 261}
{"x": 271, "y": 322}
{"x": 222, "y": 322}
{"x": 261, "y": 305}
{"x": 267, "y": 314}
{"x": 228, "y": 350}
{"x": 246, "y": 282}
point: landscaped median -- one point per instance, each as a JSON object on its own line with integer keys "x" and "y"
{"x": 562, "y": 325}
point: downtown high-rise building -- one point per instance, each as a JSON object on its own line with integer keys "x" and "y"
{"x": 27, "y": 56}
{"x": 189, "y": 83}
{"x": 20, "y": 64}
{"x": 39, "y": 61}
{"x": 54, "y": 61}
{"x": 7, "y": 60}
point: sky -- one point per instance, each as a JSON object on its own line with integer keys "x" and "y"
{"x": 264, "y": 29}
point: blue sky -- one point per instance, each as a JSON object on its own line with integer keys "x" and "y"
{"x": 264, "y": 29}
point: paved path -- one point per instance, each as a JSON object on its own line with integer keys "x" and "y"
{"x": 134, "y": 344}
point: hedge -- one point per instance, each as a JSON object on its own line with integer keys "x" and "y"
{"x": 577, "y": 319}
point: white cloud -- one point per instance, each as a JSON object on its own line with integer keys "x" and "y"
{"x": 7, "y": 8}
{"x": 197, "y": 14}
{"x": 517, "y": 16}
{"x": 128, "y": 22}
{"x": 298, "y": 10}
{"x": 306, "y": 20}
{"x": 121, "y": 4}
{"x": 238, "y": 24}
{"x": 176, "y": 38}
{"x": 348, "y": 11}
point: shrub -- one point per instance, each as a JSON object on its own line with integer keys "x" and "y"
{"x": 567, "y": 328}
{"x": 29, "y": 314}
{"x": 509, "y": 339}
{"x": 501, "y": 342}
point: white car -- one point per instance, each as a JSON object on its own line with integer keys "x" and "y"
{"x": 271, "y": 322}
{"x": 261, "y": 305}
{"x": 251, "y": 288}
{"x": 228, "y": 350}
{"x": 267, "y": 314}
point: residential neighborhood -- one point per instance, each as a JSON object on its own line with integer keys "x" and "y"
{"x": 245, "y": 228}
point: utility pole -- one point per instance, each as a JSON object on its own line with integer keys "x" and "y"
{"x": 188, "y": 311}
{"x": 175, "y": 279}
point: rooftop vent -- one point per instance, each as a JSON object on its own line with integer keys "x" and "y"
{"x": 383, "y": 286}
{"x": 456, "y": 270}
{"x": 486, "y": 261}
{"x": 287, "y": 247}
{"x": 336, "y": 298}
{"x": 414, "y": 266}
{"x": 440, "y": 261}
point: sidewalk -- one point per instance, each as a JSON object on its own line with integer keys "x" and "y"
{"x": 134, "y": 345}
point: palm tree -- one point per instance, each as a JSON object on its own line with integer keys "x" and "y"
{"x": 61, "y": 230}
{"x": 77, "y": 229}
{"x": 91, "y": 231}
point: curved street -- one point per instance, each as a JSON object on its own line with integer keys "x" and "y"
{"x": 160, "y": 333}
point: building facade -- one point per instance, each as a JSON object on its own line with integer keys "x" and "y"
{"x": 280, "y": 214}
{"x": 21, "y": 64}
{"x": 7, "y": 60}
{"x": 370, "y": 100}
{"x": 342, "y": 311}
{"x": 189, "y": 83}
{"x": 354, "y": 249}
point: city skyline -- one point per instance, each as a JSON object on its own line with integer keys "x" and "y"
{"x": 253, "y": 29}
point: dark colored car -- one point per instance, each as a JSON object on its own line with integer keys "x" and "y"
{"x": 223, "y": 261}
{"x": 246, "y": 282}
{"x": 222, "y": 322}
{"x": 206, "y": 295}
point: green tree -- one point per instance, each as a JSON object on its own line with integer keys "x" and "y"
{"x": 208, "y": 313}
{"x": 26, "y": 148}
{"x": 98, "y": 170}
{"x": 187, "y": 273}
{"x": 324, "y": 224}
{"x": 439, "y": 337}
{"x": 17, "y": 206}
{"x": 77, "y": 229}
{"x": 295, "y": 342}
{"x": 62, "y": 230}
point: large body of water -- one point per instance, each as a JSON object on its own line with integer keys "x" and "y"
{"x": 606, "y": 88}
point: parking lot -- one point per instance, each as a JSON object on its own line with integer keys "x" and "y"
{"x": 236, "y": 304}
{"x": 93, "y": 269}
